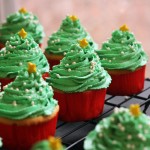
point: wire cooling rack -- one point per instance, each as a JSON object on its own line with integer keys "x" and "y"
{"x": 73, "y": 134}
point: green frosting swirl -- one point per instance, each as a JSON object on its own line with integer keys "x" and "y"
{"x": 28, "y": 96}
{"x": 68, "y": 34}
{"x": 122, "y": 51}
{"x": 44, "y": 145}
{"x": 16, "y": 22}
{"x": 79, "y": 70}
{"x": 17, "y": 53}
{"x": 120, "y": 131}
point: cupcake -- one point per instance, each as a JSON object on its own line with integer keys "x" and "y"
{"x": 18, "y": 20}
{"x": 125, "y": 129}
{"x": 124, "y": 59}
{"x": 28, "y": 112}
{"x": 20, "y": 49}
{"x": 51, "y": 143}
{"x": 79, "y": 83}
{"x": 59, "y": 42}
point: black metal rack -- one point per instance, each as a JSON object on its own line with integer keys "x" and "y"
{"x": 73, "y": 134}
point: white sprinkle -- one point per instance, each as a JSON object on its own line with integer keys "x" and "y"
{"x": 128, "y": 146}
{"x": 58, "y": 40}
{"x": 57, "y": 75}
{"x": 116, "y": 110}
{"x": 29, "y": 97}
{"x": 24, "y": 83}
{"x": 100, "y": 135}
{"x": 52, "y": 41}
{"x": 26, "y": 90}
{"x": 122, "y": 41}
{"x": 69, "y": 69}
{"x": 59, "y": 49}
{"x": 91, "y": 67}
{"x": 122, "y": 52}
{"x": 112, "y": 119}
{"x": 72, "y": 51}
{"x": 74, "y": 62}
{"x": 40, "y": 90}
{"x": 114, "y": 58}
{"x": 32, "y": 103}
{"x": 108, "y": 48}
{"x": 91, "y": 71}
{"x": 114, "y": 142}
{"x": 109, "y": 60}
{"x": 64, "y": 53}
{"x": 140, "y": 126}
{"x": 20, "y": 63}
{"x": 129, "y": 137}
{"x": 67, "y": 65}
{"x": 14, "y": 103}
{"x": 17, "y": 89}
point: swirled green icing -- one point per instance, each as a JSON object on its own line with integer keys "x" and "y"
{"x": 16, "y": 21}
{"x": 68, "y": 34}
{"x": 28, "y": 96}
{"x": 17, "y": 53}
{"x": 122, "y": 51}
{"x": 120, "y": 131}
{"x": 44, "y": 145}
{"x": 78, "y": 71}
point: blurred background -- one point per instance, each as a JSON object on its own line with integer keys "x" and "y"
{"x": 99, "y": 17}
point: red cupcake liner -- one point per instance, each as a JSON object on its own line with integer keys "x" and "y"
{"x": 40, "y": 45}
{"x": 5, "y": 81}
{"x": 80, "y": 106}
{"x": 23, "y": 137}
{"x": 128, "y": 83}
{"x": 53, "y": 62}
{"x": 1, "y": 46}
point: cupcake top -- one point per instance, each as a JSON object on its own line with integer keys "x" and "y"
{"x": 69, "y": 32}
{"x": 18, "y": 20}
{"x": 125, "y": 129}
{"x": 51, "y": 144}
{"x": 122, "y": 51}
{"x": 20, "y": 49}
{"x": 79, "y": 70}
{"x": 28, "y": 96}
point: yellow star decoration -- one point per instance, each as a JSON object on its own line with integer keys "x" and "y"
{"x": 135, "y": 110}
{"x": 55, "y": 143}
{"x": 83, "y": 43}
{"x": 22, "y": 10}
{"x": 124, "y": 28}
{"x": 23, "y": 33}
{"x": 31, "y": 67}
{"x": 73, "y": 18}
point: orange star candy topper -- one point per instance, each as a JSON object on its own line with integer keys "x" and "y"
{"x": 73, "y": 17}
{"x": 83, "y": 43}
{"x": 124, "y": 28}
{"x": 22, "y": 33}
{"x": 22, "y": 10}
{"x": 135, "y": 110}
{"x": 31, "y": 67}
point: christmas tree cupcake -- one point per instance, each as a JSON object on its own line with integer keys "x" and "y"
{"x": 51, "y": 144}
{"x": 125, "y": 129}
{"x": 79, "y": 83}
{"x": 28, "y": 112}
{"x": 60, "y": 42}
{"x": 18, "y": 20}
{"x": 20, "y": 49}
{"x": 124, "y": 59}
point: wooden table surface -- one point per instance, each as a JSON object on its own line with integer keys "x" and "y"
{"x": 99, "y": 17}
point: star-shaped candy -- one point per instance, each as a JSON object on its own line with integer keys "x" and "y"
{"x": 22, "y": 10}
{"x": 124, "y": 28}
{"x": 73, "y": 17}
{"x": 83, "y": 43}
{"x": 135, "y": 110}
{"x": 31, "y": 67}
{"x": 22, "y": 33}
{"x": 55, "y": 143}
